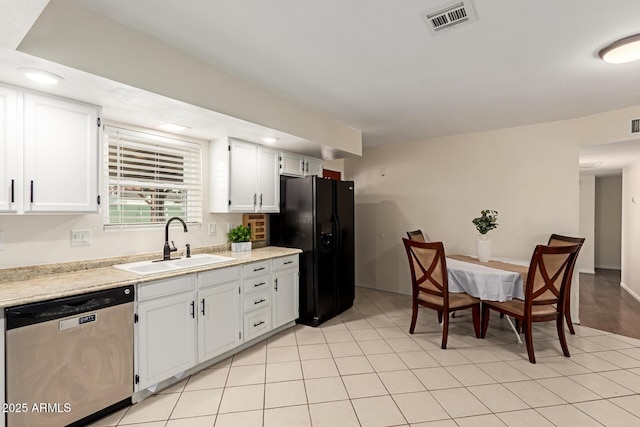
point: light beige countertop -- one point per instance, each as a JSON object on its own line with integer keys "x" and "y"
{"x": 40, "y": 287}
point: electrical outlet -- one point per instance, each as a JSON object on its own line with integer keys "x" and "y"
{"x": 212, "y": 229}
{"x": 1, "y": 240}
{"x": 80, "y": 237}
{"x": 229, "y": 227}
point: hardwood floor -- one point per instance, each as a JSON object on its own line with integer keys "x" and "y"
{"x": 606, "y": 306}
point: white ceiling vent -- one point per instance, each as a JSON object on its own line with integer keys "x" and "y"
{"x": 449, "y": 16}
{"x": 635, "y": 126}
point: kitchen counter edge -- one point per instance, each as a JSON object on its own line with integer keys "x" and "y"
{"x": 60, "y": 285}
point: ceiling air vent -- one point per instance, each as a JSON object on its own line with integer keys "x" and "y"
{"x": 449, "y": 16}
{"x": 635, "y": 126}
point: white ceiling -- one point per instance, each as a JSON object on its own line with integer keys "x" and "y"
{"x": 373, "y": 64}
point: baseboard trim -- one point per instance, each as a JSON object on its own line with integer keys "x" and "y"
{"x": 608, "y": 267}
{"x": 587, "y": 271}
{"x": 393, "y": 291}
{"x": 630, "y": 291}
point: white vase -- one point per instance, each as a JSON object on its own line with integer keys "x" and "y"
{"x": 483, "y": 247}
{"x": 240, "y": 246}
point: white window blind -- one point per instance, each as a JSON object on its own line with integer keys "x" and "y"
{"x": 151, "y": 178}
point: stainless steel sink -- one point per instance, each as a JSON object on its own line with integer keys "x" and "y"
{"x": 152, "y": 267}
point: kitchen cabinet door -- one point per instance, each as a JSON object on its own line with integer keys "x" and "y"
{"x": 166, "y": 337}
{"x": 60, "y": 155}
{"x": 313, "y": 167}
{"x": 268, "y": 180}
{"x": 219, "y": 320}
{"x": 291, "y": 164}
{"x": 285, "y": 296}
{"x": 10, "y": 183}
{"x": 243, "y": 179}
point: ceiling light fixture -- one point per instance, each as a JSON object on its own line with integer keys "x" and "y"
{"x": 41, "y": 76}
{"x": 621, "y": 51}
{"x": 173, "y": 127}
{"x": 269, "y": 139}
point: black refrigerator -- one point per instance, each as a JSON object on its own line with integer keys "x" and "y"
{"x": 316, "y": 215}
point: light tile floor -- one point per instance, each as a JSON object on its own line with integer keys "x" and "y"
{"x": 363, "y": 368}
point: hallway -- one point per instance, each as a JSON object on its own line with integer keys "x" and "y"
{"x": 606, "y": 306}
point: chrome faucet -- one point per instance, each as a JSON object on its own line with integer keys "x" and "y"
{"x": 166, "y": 253}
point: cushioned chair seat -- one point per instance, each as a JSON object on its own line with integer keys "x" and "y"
{"x": 456, "y": 300}
{"x": 516, "y": 306}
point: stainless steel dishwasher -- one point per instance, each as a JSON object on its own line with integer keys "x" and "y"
{"x": 69, "y": 359}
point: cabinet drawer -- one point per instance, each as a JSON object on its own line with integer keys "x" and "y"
{"x": 164, "y": 287}
{"x": 221, "y": 275}
{"x": 256, "y": 301}
{"x": 257, "y": 323}
{"x": 256, "y": 284}
{"x": 257, "y": 268}
{"x": 281, "y": 263}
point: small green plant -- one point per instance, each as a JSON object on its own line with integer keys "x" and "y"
{"x": 238, "y": 234}
{"x": 487, "y": 221}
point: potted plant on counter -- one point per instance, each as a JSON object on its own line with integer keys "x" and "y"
{"x": 486, "y": 222}
{"x": 240, "y": 237}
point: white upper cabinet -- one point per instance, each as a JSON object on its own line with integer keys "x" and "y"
{"x": 60, "y": 155}
{"x": 9, "y": 160}
{"x": 293, "y": 164}
{"x": 244, "y": 177}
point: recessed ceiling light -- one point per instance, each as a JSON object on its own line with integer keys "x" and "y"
{"x": 269, "y": 139}
{"x": 41, "y": 76}
{"x": 173, "y": 127}
{"x": 621, "y": 51}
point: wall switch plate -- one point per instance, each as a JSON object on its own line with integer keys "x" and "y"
{"x": 212, "y": 229}
{"x": 80, "y": 237}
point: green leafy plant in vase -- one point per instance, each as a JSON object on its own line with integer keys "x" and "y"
{"x": 487, "y": 221}
{"x": 240, "y": 238}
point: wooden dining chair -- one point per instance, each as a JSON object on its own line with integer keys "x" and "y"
{"x": 416, "y": 235}
{"x": 559, "y": 240}
{"x": 548, "y": 280}
{"x": 430, "y": 286}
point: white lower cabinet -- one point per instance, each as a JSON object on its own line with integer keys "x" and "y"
{"x": 285, "y": 290}
{"x": 184, "y": 321}
{"x": 219, "y": 318}
{"x": 166, "y": 327}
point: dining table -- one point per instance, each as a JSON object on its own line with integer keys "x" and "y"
{"x": 499, "y": 279}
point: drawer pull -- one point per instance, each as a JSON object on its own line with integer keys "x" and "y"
{"x": 258, "y": 269}
{"x": 259, "y": 284}
{"x": 288, "y": 262}
{"x": 259, "y": 301}
{"x": 258, "y": 324}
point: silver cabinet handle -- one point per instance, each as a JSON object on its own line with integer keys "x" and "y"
{"x": 259, "y": 284}
{"x": 288, "y": 262}
{"x": 258, "y": 269}
{"x": 276, "y": 285}
{"x": 259, "y": 323}
{"x": 259, "y": 301}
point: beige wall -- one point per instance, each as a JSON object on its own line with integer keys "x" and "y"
{"x": 631, "y": 227}
{"x": 587, "y": 223}
{"x": 529, "y": 175}
{"x": 608, "y": 222}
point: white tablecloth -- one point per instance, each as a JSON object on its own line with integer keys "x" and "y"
{"x": 484, "y": 282}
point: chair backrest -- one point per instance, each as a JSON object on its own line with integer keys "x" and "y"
{"x": 559, "y": 240}
{"x": 549, "y": 275}
{"x": 428, "y": 268}
{"x": 416, "y": 235}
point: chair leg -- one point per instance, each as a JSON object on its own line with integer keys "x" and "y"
{"x": 561, "y": 336}
{"x": 475, "y": 310}
{"x": 439, "y": 317}
{"x": 485, "y": 320}
{"x": 445, "y": 330}
{"x": 567, "y": 315}
{"x": 528, "y": 336}
{"x": 414, "y": 317}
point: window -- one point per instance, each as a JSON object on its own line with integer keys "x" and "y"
{"x": 151, "y": 178}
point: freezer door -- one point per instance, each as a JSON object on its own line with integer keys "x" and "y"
{"x": 345, "y": 248}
